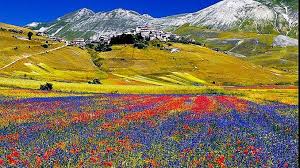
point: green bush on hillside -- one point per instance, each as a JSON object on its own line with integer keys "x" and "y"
{"x": 30, "y": 34}
{"x": 103, "y": 48}
{"x": 45, "y": 45}
{"x": 47, "y": 86}
{"x": 95, "y": 81}
{"x": 140, "y": 45}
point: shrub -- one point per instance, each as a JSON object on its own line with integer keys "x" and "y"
{"x": 30, "y": 34}
{"x": 127, "y": 39}
{"x": 156, "y": 43}
{"x": 47, "y": 86}
{"x": 284, "y": 83}
{"x": 103, "y": 48}
{"x": 2, "y": 29}
{"x": 123, "y": 39}
{"x": 91, "y": 46}
{"x": 95, "y": 81}
{"x": 45, "y": 45}
{"x": 140, "y": 45}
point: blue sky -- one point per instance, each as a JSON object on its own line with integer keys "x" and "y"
{"x": 21, "y": 12}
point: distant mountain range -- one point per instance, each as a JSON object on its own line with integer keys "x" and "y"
{"x": 262, "y": 16}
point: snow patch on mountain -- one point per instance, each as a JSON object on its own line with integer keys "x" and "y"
{"x": 77, "y": 15}
{"x": 43, "y": 29}
{"x": 284, "y": 41}
{"x": 224, "y": 15}
{"x": 33, "y": 24}
{"x": 57, "y": 31}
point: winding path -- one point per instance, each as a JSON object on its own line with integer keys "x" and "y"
{"x": 30, "y": 55}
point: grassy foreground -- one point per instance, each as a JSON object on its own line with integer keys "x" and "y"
{"x": 19, "y": 88}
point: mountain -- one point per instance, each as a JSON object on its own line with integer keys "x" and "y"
{"x": 248, "y": 15}
{"x": 224, "y": 15}
{"x": 87, "y": 24}
{"x": 263, "y": 16}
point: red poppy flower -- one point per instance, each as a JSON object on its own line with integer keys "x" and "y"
{"x": 93, "y": 159}
{"x": 257, "y": 160}
{"x": 220, "y": 160}
{"x": 210, "y": 131}
{"x": 11, "y": 160}
{"x": 49, "y": 153}
{"x": 38, "y": 161}
{"x": 246, "y": 151}
{"x": 210, "y": 165}
{"x": 107, "y": 164}
{"x": 15, "y": 154}
{"x": 109, "y": 149}
{"x": 186, "y": 127}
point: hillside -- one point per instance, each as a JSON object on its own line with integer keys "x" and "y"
{"x": 250, "y": 46}
{"x": 125, "y": 65}
{"x": 203, "y": 65}
{"x": 22, "y": 58}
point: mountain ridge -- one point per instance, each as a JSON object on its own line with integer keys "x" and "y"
{"x": 261, "y": 16}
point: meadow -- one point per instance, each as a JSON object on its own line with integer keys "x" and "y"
{"x": 110, "y": 130}
{"x": 256, "y": 48}
{"x": 194, "y": 108}
{"x": 125, "y": 65}
{"x": 153, "y": 64}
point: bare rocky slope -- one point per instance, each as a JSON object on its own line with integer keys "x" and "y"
{"x": 263, "y": 16}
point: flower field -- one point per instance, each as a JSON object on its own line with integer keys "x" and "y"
{"x": 147, "y": 131}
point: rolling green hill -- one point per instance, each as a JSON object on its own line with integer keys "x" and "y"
{"x": 21, "y": 58}
{"x": 255, "y": 48}
{"x": 161, "y": 67}
{"x": 192, "y": 66}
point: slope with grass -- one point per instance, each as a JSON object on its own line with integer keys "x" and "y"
{"x": 20, "y": 58}
{"x": 161, "y": 67}
{"x": 256, "y": 48}
{"x": 125, "y": 65}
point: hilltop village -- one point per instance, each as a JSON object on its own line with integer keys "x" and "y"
{"x": 146, "y": 32}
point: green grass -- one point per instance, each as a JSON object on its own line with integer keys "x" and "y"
{"x": 10, "y": 87}
{"x": 197, "y": 33}
{"x": 125, "y": 65}
{"x": 70, "y": 64}
{"x": 283, "y": 59}
{"x": 261, "y": 53}
{"x": 89, "y": 88}
{"x": 8, "y": 53}
{"x": 199, "y": 62}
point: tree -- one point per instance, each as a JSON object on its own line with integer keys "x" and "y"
{"x": 103, "y": 48}
{"x": 95, "y": 81}
{"x": 47, "y": 86}
{"x": 45, "y": 45}
{"x": 30, "y": 34}
{"x": 123, "y": 39}
{"x": 140, "y": 45}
